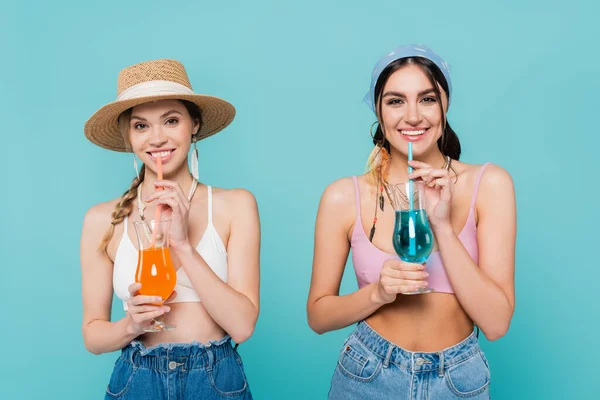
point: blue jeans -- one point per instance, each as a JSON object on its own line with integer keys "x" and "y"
{"x": 179, "y": 371}
{"x": 370, "y": 367}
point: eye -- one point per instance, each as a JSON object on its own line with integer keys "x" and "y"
{"x": 139, "y": 126}
{"x": 394, "y": 102}
{"x": 429, "y": 99}
{"x": 171, "y": 121}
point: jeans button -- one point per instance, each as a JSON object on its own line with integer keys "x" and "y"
{"x": 172, "y": 365}
{"x": 420, "y": 361}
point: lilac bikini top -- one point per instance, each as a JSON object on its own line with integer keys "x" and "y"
{"x": 368, "y": 259}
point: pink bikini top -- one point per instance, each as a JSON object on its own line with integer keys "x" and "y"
{"x": 368, "y": 259}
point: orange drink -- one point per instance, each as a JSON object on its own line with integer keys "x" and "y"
{"x": 155, "y": 272}
{"x": 155, "y": 269}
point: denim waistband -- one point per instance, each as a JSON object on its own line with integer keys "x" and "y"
{"x": 415, "y": 361}
{"x": 182, "y": 356}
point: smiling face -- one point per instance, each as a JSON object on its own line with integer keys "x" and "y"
{"x": 410, "y": 111}
{"x": 161, "y": 129}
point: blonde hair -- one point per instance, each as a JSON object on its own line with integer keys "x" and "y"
{"x": 125, "y": 205}
{"x": 378, "y": 163}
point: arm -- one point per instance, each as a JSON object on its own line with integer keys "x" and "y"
{"x": 233, "y": 305}
{"x": 326, "y": 309}
{"x": 100, "y": 335}
{"x": 486, "y": 292}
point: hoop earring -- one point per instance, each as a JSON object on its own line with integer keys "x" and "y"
{"x": 371, "y": 130}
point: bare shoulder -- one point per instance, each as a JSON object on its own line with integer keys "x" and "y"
{"x": 496, "y": 179}
{"x": 337, "y": 207}
{"x": 493, "y": 174}
{"x": 235, "y": 199}
{"x": 496, "y": 190}
{"x": 466, "y": 172}
{"x": 336, "y": 214}
{"x": 339, "y": 193}
{"x": 95, "y": 224}
{"x": 100, "y": 215}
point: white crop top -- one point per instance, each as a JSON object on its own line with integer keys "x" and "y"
{"x": 210, "y": 247}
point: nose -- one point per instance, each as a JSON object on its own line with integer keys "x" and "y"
{"x": 157, "y": 137}
{"x": 412, "y": 116}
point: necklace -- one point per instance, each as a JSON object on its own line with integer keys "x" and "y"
{"x": 384, "y": 185}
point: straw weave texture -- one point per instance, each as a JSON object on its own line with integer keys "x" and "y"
{"x": 102, "y": 128}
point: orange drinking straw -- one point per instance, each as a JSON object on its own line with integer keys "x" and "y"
{"x": 159, "y": 172}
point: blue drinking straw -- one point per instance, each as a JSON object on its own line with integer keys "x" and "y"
{"x": 410, "y": 181}
{"x": 412, "y": 245}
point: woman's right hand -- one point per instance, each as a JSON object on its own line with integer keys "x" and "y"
{"x": 398, "y": 277}
{"x": 141, "y": 311}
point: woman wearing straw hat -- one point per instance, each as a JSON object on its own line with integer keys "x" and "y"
{"x": 157, "y": 117}
{"x": 408, "y": 344}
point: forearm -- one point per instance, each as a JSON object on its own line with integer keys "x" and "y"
{"x": 481, "y": 298}
{"x": 330, "y": 313}
{"x": 231, "y": 310}
{"x": 101, "y": 336}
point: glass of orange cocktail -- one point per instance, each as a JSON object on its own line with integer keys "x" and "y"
{"x": 155, "y": 269}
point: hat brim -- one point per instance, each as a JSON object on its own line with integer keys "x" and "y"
{"x": 102, "y": 128}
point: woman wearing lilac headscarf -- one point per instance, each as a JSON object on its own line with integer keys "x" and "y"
{"x": 415, "y": 334}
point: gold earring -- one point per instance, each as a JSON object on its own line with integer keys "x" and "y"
{"x": 371, "y": 130}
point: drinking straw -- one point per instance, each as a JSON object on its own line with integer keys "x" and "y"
{"x": 412, "y": 245}
{"x": 159, "y": 172}
{"x": 410, "y": 181}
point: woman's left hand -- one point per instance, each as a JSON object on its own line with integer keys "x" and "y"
{"x": 175, "y": 206}
{"x": 439, "y": 188}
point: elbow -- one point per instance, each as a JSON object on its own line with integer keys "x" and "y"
{"x": 499, "y": 327}
{"x": 315, "y": 324}
{"x": 89, "y": 344}
{"x": 497, "y": 332}
{"x": 493, "y": 336}
{"x": 243, "y": 333}
{"x": 93, "y": 350}
{"x": 91, "y": 347}
{"x": 317, "y": 329}
{"x": 244, "y": 330}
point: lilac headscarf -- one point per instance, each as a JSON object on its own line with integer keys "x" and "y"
{"x": 410, "y": 50}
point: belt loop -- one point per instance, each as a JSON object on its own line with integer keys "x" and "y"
{"x": 211, "y": 357}
{"x": 386, "y": 360}
{"x": 441, "y": 366}
{"x": 133, "y": 350}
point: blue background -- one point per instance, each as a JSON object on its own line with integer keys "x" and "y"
{"x": 526, "y": 85}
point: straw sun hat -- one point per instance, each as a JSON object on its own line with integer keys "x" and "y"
{"x": 153, "y": 81}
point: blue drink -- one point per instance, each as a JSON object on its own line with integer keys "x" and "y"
{"x": 413, "y": 238}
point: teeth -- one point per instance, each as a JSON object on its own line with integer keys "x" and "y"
{"x": 161, "y": 154}
{"x": 413, "y": 133}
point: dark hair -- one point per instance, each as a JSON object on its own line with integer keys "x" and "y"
{"x": 448, "y": 143}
